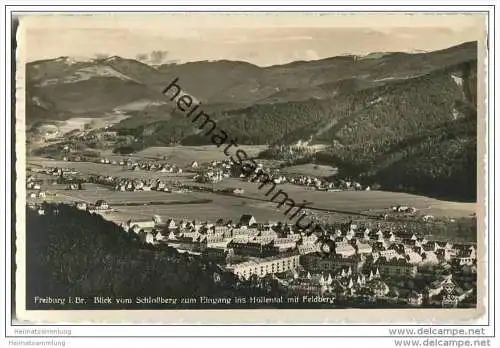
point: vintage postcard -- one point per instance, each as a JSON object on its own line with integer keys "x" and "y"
{"x": 234, "y": 168}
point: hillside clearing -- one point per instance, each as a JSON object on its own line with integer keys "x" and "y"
{"x": 311, "y": 170}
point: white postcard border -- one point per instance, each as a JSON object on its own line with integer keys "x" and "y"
{"x": 249, "y": 330}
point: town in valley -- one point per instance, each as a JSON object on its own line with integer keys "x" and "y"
{"x": 384, "y": 256}
{"x": 362, "y": 193}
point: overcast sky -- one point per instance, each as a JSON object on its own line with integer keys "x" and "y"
{"x": 261, "y": 39}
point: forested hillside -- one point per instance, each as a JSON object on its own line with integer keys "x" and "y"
{"x": 406, "y": 121}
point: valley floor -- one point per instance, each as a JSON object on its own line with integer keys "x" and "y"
{"x": 210, "y": 206}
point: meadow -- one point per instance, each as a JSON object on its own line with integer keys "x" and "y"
{"x": 185, "y": 205}
{"x": 109, "y": 169}
{"x": 253, "y": 200}
{"x": 353, "y": 201}
{"x": 185, "y": 155}
{"x": 311, "y": 170}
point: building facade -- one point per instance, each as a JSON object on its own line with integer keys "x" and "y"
{"x": 262, "y": 267}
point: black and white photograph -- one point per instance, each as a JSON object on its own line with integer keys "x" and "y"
{"x": 246, "y": 161}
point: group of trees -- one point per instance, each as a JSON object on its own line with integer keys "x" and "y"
{"x": 427, "y": 144}
{"x": 418, "y": 135}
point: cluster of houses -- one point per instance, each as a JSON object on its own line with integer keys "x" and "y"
{"x": 34, "y": 188}
{"x": 216, "y": 171}
{"x": 31, "y": 184}
{"x": 140, "y": 185}
{"x": 100, "y": 206}
{"x": 211, "y": 176}
{"x": 152, "y": 166}
{"x": 325, "y": 185}
{"x": 75, "y": 186}
{"x": 389, "y": 257}
{"x": 56, "y": 171}
{"x": 132, "y": 185}
{"x": 346, "y": 285}
{"x": 405, "y": 210}
{"x": 339, "y": 283}
{"x": 347, "y": 262}
{"x": 313, "y": 182}
{"x": 212, "y": 172}
{"x": 116, "y": 183}
{"x": 37, "y": 194}
{"x": 352, "y": 261}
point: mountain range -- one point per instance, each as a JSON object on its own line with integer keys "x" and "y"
{"x": 404, "y": 121}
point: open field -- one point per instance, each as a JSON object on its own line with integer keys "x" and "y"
{"x": 94, "y": 192}
{"x": 203, "y": 206}
{"x": 220, "y": 206}
{"x": 354, "y": 201}
{"x": 206, "y": 206}
{"x": 310, "y": 169}
{"x": 185, "y": 155}
{"x": 253, "y": 200}
{"x": 107, "y": 169}
{"x": 80, "y": 122}
{"x": 182, "y": 156}
{"x": 226, "y": 209}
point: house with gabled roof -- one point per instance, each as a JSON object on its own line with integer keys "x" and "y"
{"x": 389, "y": 254}
{"x": 374, "y": 274}
{"x": 159, "y": 237}
{"x": 413, "y": 258}
{"x": 398, "y": 247}
{"x": 405, "y": 235}
{"x": 101, "y": 205}
{"x": 135, "y": 229}
{"x": 345, "y": 249}
{"x": 361, "y": 235}
{"x": 396, "y": 267}
{"x": 247, "y": 220}
{"x": 419, "y": 250}
{"x": 141, "y": 224}
{"x": 363, "y": 248}
{"x": 415, "y": 298}
{"x": 410, "y": 242}
{"x": 422, "y": 240}
{"x": 443, "y": 255}
{"x": 445, "y": 245}
{"x": 380, "y": 245}
{"x": 389, "y": 236}
{"x": 464, "y": 255}
{"x": 149, "y": 238}
{"x": 430, "y": 258}
{"x": 430, "y": 246}
{"x": 170, "y": 224}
